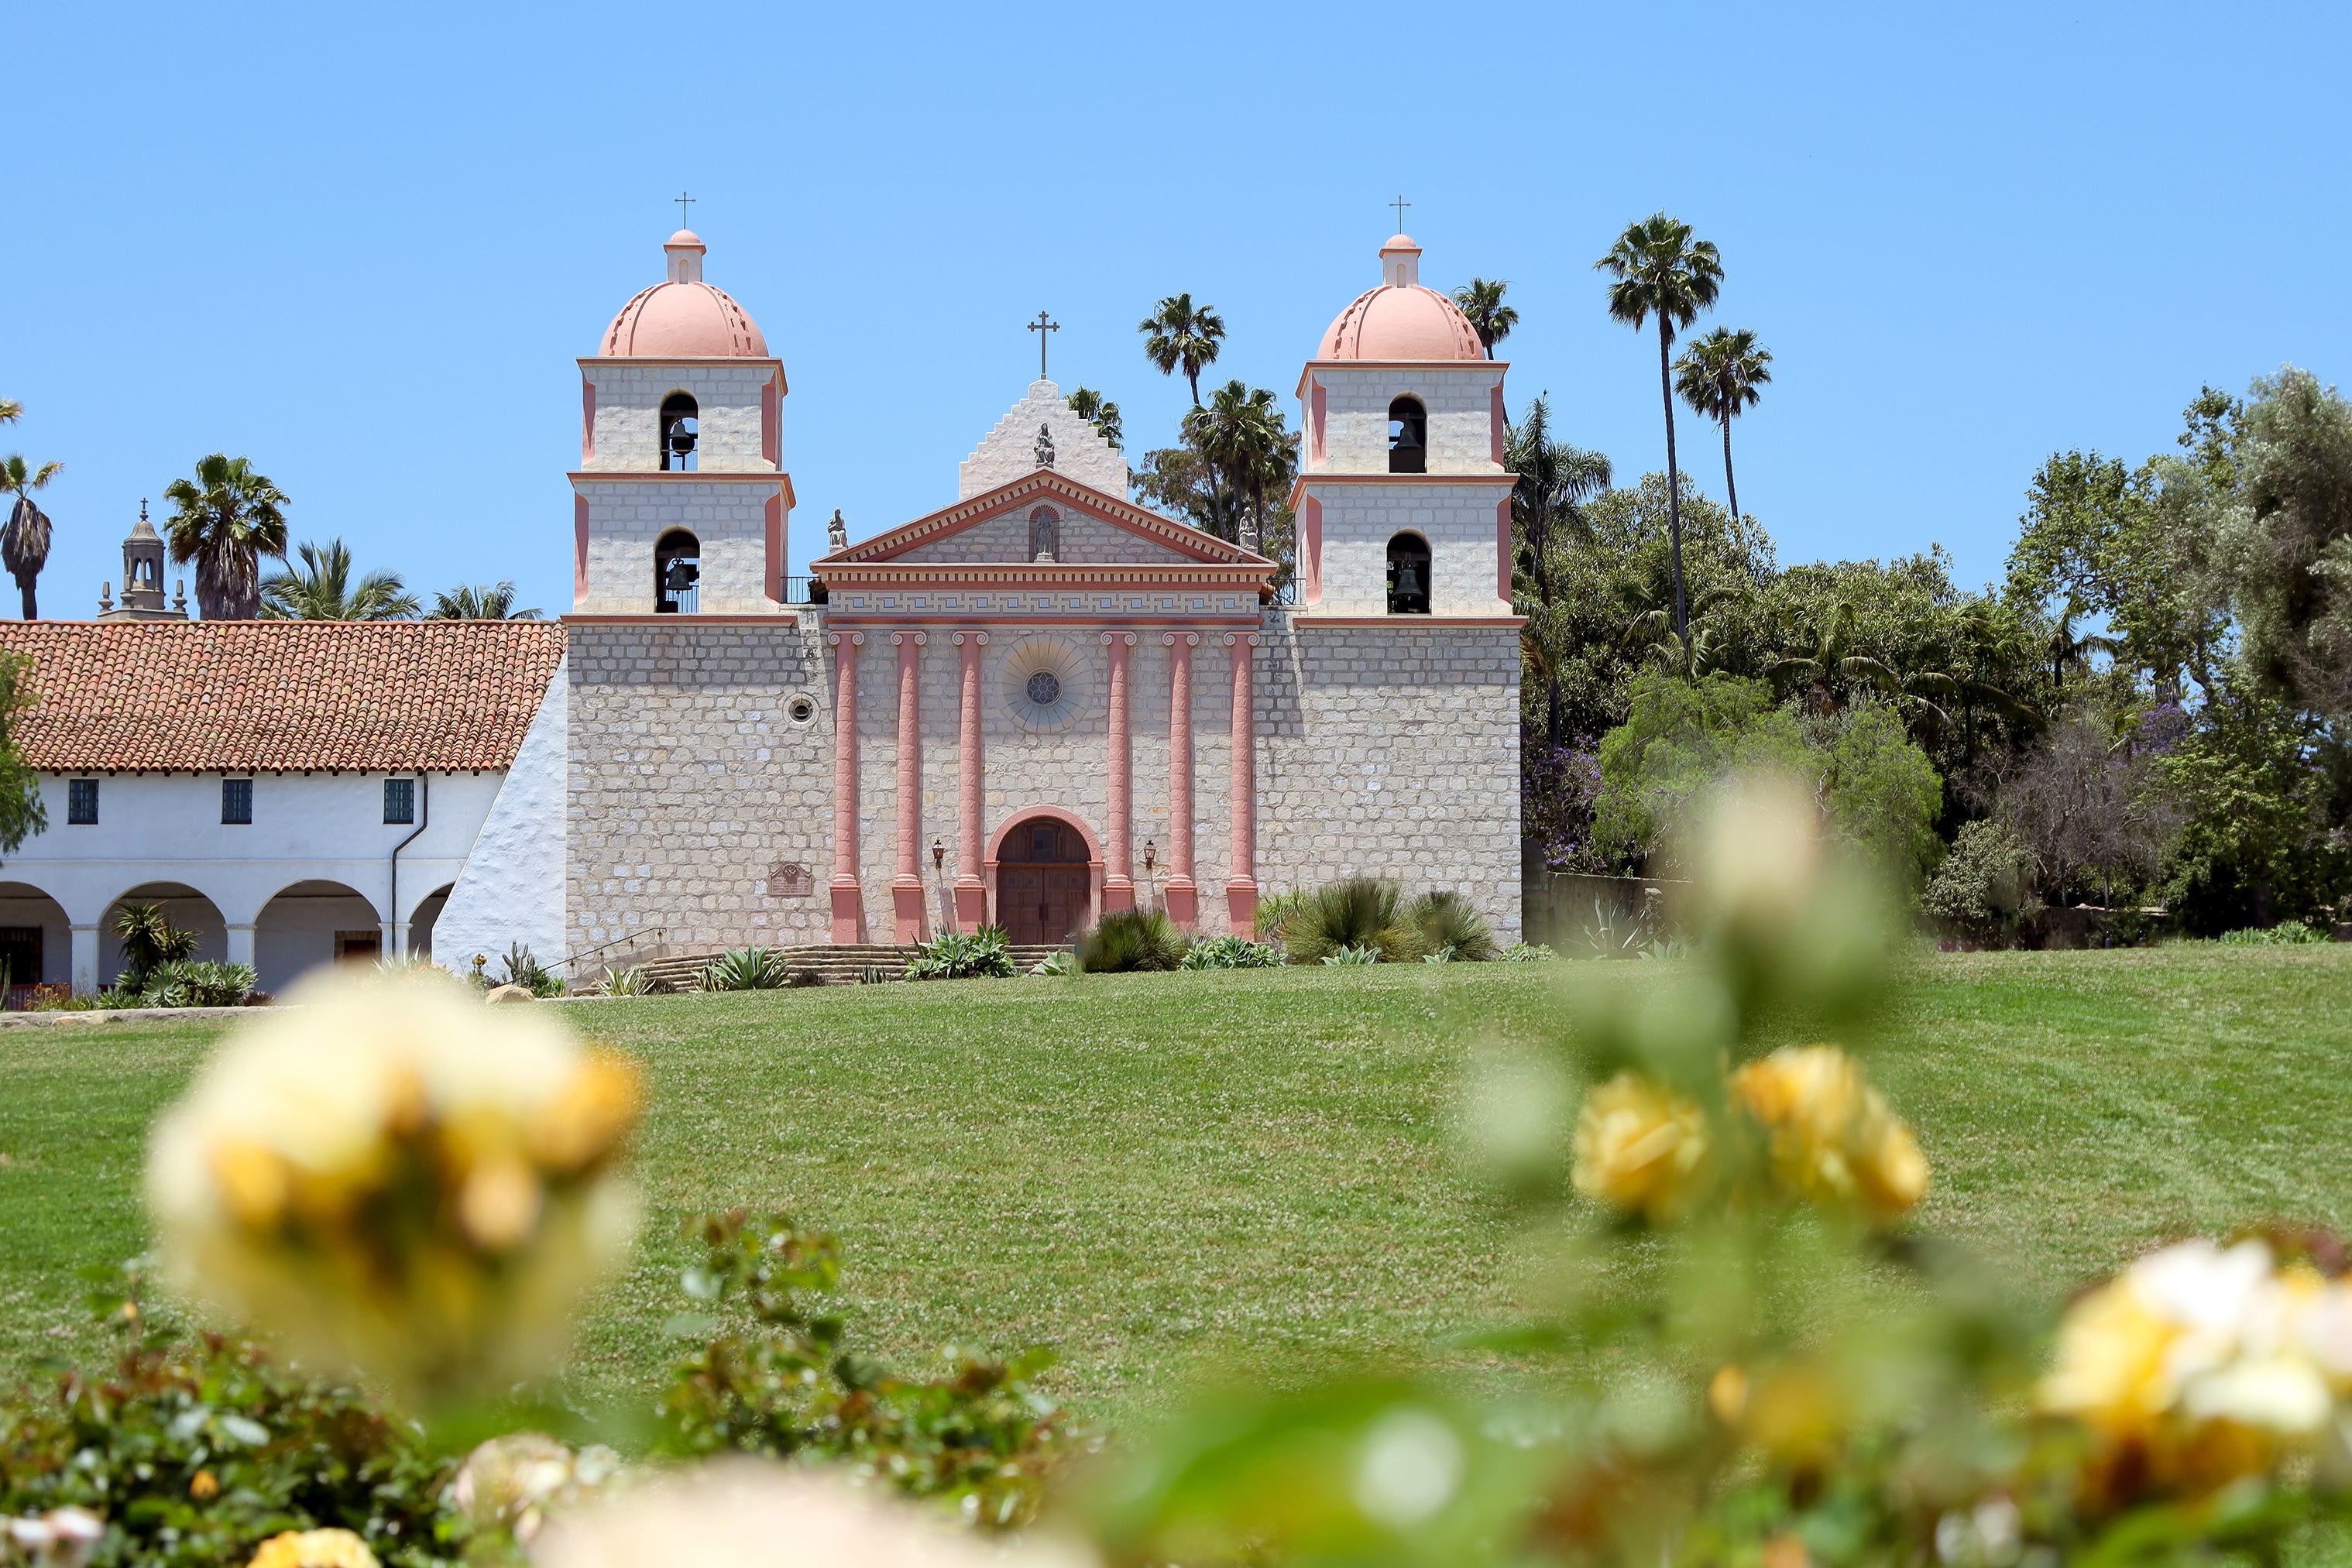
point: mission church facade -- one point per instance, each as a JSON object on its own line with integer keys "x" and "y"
{"x": 1036, "y": 705}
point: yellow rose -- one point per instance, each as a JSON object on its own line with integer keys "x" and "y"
{"x": 2110, "y": 1370}
{"x": 1641, "y": 1147}
{"x": 1832, "y": 1138}
{"x": 314, "y": 1549}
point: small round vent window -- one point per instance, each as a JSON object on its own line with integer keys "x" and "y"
{"x": 1044, "y": 689}
{"x": 802, "y": 710}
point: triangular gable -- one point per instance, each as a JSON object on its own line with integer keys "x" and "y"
{"x": 1162, "y": 539}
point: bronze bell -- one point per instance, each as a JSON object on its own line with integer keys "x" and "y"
{"x": 1408, "y": 580}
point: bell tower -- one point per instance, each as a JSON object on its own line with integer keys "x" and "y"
{"x": 143, "y": 579}
{"x": 1404, "y": 505}
{"x": 681, "y": 501}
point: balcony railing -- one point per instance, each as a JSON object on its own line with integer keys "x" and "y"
{"x": 804, "y": 590}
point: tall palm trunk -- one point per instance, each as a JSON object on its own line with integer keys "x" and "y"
{"x": 1673, "y": 479}
{"x": 1730, "y": 490}
{"x": 32, "y": 609}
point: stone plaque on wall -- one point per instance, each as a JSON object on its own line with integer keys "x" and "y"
{"x": 788, "y": 881}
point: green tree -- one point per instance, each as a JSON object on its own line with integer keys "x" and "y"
{"x": 2286, "y": 544}
{"x": 1657, "y": 269}
{"x": 226, "y": 520}
{"x": 1555, "y": 480}
{"x": 21, "y": 812}
{"x": 1180, "y": 336}
{"x": 1719, "y": 376}
{"x": 1480, "y": 300}
{"x": 25, "y": 541}
{"x": 1240, "y": 433}
{"x": 1097, "y": 411}
{"x": 1681, "y": 741}
{"x": 488, "y": 601}
{"x": 321, "y": 588}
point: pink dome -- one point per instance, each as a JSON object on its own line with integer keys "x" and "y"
{"x": 1400, "y": 320}
{"x": 683, "y": 318}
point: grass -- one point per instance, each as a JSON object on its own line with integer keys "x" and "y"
{"x": 1159, "y": 1173}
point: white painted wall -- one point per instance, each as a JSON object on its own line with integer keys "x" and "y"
{"x": 164, "y": 830}
{"x": 512, "y": 887}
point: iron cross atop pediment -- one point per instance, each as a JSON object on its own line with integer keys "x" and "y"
{"x": 1043, "y": 325}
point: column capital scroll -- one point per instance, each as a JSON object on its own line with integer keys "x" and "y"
{"x": 855, "y": 639}
{"x": 979, "y": 637}
{"x": 1110, "y": 637}
{"x": 900, "y": 639}
{"x": 1191, "y": 638}
{"x": 1234, "y": 639}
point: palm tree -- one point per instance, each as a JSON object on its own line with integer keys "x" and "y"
{"x": 1480, "y": 300}
{"x": 24, "y": 542}
{"x": 2067, "y": 647}
{"x": 320, "y": 589}
{"x": 1097, "y": 411}
{"x": 1240, "y": 431}
{"x": 1833, "y": 657}
{"x": 467, "y": 602}
{"x": 1659, "y": 270}
{"x": 226, "y": 520}
{"x": 11, "y": 411}
{"x": 1555, "y": 481}
{"x": 1180, "y": 336}
{"x": 1717, "y": 376}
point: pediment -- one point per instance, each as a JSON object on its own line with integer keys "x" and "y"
{"x": 1092, "y": 528}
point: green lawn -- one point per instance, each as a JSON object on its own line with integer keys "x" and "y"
{"x": 1158, "y": 1172}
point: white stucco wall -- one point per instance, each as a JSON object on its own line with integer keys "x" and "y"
{"x": 1010, "y": 451}
{"x": 318, "y": 838}
{"x": 512, "y": 887}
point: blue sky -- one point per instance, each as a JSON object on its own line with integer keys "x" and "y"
{"x": 363, "y": 246}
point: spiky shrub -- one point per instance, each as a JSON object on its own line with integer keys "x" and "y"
{"x": 1361, "y": 912}
{"x": 1446, "y": 920}
{"x": 629, "y": 982}
{"x": 1127, "y": 940}
{"x": 1053, "y": 964}
{"x": 1443, "y": 956}
{"x": 1274, "y": 911}
{"x": 182, "y": 983}
{"x": 746, "y": 969}
{"x": 977, "y": 955}
{"x": 1230, "y": 952}
{"x": 524, "y": 970}
{"x": 1350, "y": 957}
{"x": 1528, "y": 953}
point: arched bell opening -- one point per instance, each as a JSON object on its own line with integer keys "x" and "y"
{"x": 678, "y": 573}
{"x": 1408, "y": 575}
{"x": 680, "y": 433}
{"x": 1408, "y": 437}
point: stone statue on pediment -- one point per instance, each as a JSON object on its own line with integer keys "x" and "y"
{"x": 836, "y": 533}
{"x": 1045, "y": 446}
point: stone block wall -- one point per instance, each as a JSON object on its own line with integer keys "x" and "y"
{"x": 1083, "y": 540}
{"x": 691, "y": 789}
{"x": 1391, "y": 752}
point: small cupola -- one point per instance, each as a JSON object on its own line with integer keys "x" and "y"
{"x": 143, "y": 577}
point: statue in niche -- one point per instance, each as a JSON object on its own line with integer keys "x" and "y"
{"x": 836, "y": 533}
{"x": 1045, "y": 446}
{"x": 1044, "y": 534}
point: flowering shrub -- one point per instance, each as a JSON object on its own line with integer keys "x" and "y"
{"x": 1772, "y": 1367}
{"x": 427, "y": 1199}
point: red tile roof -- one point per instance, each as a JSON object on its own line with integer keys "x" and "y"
{"x": 281, "y": 696}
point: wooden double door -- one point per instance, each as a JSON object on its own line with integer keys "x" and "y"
{"x": 1045, "y": 886}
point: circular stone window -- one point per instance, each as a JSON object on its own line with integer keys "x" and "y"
{"x": 1045, "y": 683}
{"x": 1044, "y": 689}
{"x": 801, "y": 710}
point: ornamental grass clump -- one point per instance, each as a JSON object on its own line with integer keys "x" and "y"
{"x": 1358, "y": 913}
{"x": 746, "y": 969}
{"x": 1446, "y": 922}
{"x": 1232, "y": 952}
{"x": 398, "y": 1181}
{"x": 1753, "y": 1351}
{"x": 1128, "y": 940}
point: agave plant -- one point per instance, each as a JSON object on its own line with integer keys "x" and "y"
{"x": 1055, "y": 964}
{"x": 1274, "y": 911}
{"x": 1348, "y": 957}
{"x": 984, "y": 954}
{"x": 1446, "y": 920}
{"x": 1128, "y": 940}
{"x": 746, "y": 969}
{"x": 633, "y": 981}
{"x": 1361, "y": 912}
{"x": 1443, "y": 956}
{"x": 1528, "y": 953}
{"x": 1232, "y": 952}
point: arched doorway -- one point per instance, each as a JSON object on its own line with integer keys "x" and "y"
{"x": 1045, "y": 881}
{"x": 310, "y": 923}
{"x": 426, "y": 915}
{"x": 36, "y": 941}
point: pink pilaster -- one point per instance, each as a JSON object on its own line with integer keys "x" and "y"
{"x": 1183, "y": 895}
{"x": 848, "y": 916}
{"x": 906, "y": 887}
{"x": 1241, "y": 887}
{"x": 971, "y": 893}
{"x": 1118, "y": 884}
